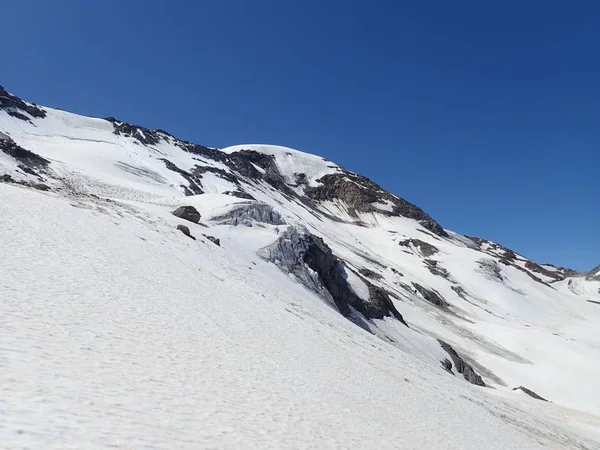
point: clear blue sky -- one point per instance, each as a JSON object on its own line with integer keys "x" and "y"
{"x": 485, "y": 114}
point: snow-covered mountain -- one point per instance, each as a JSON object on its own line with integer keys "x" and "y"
{"x": 303, "y": 307}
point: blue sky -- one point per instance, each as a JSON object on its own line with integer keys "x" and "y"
{"x": 485, "y": 115}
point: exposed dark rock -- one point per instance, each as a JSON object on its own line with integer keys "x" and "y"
{"x": 239, "y": 194}
{"x": 194, "y": 182}
{"x": 200, "y": 150}
{"x": 460, "y": 291}
{"x": 593, "y": 274}
{"x": 363, "y": 195}
{"x": 296, "y": 251}
{"x": 25, "y": 157}
{"x": 188, "y": 213}
{"x": 200, "y": 170}
{"x": 447, "y": 365}
{"x": 397, "y": 272}
{"x": 301, "y": 179}
{"x": 14, "y": 106}
{"x": 18, "y": 115}
{"x": 370, "y": 273}
{"x": 431, "y": 296}
{"x": 185, "y": 230}
{"x": 39, "y": 186}
{"x": 380, "y": 305}
{"x": 213, "y": 239}
{"x": 461, "y": 366}
{"x": 534, "y": 267}
{"x": 509, "y": 258}
{"x": 425, "y": 248}
{"x": 490, "y": 269}
{"x": 531, "y": 275}
{"x": 436, "y": 269}
{"x": 143, "y": 135}
{"x": 29, "y": 171}
{"x": 245, "y": 163}
{"x": 530, "y": 393}
{"x": 6, "y": 178}
{"x": 247, "y": 214}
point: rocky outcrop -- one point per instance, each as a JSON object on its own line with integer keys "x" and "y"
{"x": 460, "y": 365}
{"x": 530, "y": 393}
{"x": 221, "y": 173}
{"x": 213, "y": 239}
{"x": 363, "y": 196}
{"x": 435, "y": 267}
{"x": 379, "y": 305}
{"x": 248, "y": 214}
{"x": 508, "y": 257}
{"x": 141, "y": 134}
{"x": 460, "y": 291}
{"x": 6, "y": 178}
{"x": 594, "y": 274}
{"x": 239, "y": 194}
{"x": 312, "y": 262}
{"x": 431, "y": 296}
{"x": 490, "y": 269}
{"x": 16, "y": 107}
{"x": 200, "y": 150}
{"x": 370, "y": 274}
{"x": 28, "y": 159}
{"x": 194, "y": 186}
{"x": 258, "y": 166}
{"x": 188, "y": 213}
{"x": 425, "y": 248}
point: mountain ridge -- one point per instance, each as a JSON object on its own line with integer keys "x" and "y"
{"x": 147, "y": 136}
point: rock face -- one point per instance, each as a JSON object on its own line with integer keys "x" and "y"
{"x": 425, "y": 248}
{"x": 594, "y": 274}
{"x": 370, "y": 274}
{"x": 194, "y": 183}
{"x": 363, "y": 196}
{"x": 310, "y": 259}
{"x": 490, "y": 269}
{"x": 460, "y": 365}
{"x": 436, "y": 269}
{"x": 25, "y": 157}
{"x": 18, "y": 108}
{"x": 247, "y": 214}
{"x": 143, "y": 135}
{"x": 188, "y": 213}
{"x": 431, "y": 296}
{"x": 510, "y": 258}
{"x": 530, "y": 393}
{"x": 213, "y": 239}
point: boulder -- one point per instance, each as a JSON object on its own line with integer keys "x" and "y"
{"x": 188, "y": 213}
{"x": 185, "y": 230}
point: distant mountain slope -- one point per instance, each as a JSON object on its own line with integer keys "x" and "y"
{"x": 309, "y": 254}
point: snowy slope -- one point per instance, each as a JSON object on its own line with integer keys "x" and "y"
{"x": 120, "y": 330}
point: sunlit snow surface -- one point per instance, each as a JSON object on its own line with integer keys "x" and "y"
{"x": 117, "y": 331}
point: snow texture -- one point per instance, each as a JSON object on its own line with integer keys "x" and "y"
{"x": 118, "y": 331}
